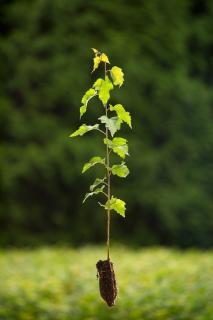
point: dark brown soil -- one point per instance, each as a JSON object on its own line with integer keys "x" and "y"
{"x": 107, "y": 282}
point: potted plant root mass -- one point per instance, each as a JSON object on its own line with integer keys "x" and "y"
{"x": 108, "y": 126}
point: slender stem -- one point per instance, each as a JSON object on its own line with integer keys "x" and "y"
{"x": 105, "y": 194}
{"x": 108, "y": 182}
{"x": 101, "y": 131}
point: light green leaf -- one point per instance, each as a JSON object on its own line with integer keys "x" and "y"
{"x": 93, "y": 161}
{"x": 96, "y": 191}
{"x": 122, "y": 114}
{"x": 113, "y": 124}
{"x": 99, "y": 57}
{"x": 120, "y": 170}
{"x": 83, "y": 129}
{"x": 96, "y": 183}
{"x": 96, "y": 62}
{"x": 104, "y": 58}
{"x": 95, "y": 50}
{"x": 98, "y": 84}
{"x": 87, "y": 96}
{"x": 104, "y": 91}
{"x": 117, "y": 76}
{"x": 83, "y": 109}
{"x": 116, "y": 204}
{"x": 118, "y": 145}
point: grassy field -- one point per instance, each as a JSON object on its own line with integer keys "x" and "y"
{"x": 61, "y": 284}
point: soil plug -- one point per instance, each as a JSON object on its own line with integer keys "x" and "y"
{"x": 107, "y": 281}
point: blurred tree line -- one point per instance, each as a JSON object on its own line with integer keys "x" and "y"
{"x": 165, "y": 49}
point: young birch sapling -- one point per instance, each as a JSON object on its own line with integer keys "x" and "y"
{"x": 109, "y": 124}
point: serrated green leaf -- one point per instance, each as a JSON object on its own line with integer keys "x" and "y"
{"x": 89, "y": 94}
{"x": 96, "y": 191}
{"x": 113, "y": 124}
{"x": 120, "y": 170}
{"x": 93, "y": 161}
{"x": 118, "y": 145}
{"x": 122, "y": 114}
{"x": 96, "y": 183}
{"x": 116, "y": 204}
{"x": 83, "y": 129}
{"x": 103, "y": 87}
{"x": 104, "y": 91}
{"x": 117, "y": 76}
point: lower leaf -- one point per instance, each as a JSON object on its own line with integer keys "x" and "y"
{"x": 117, "y": 205}
{"x": 93, "y": 161}
{"x": 96, "y": 191}
{"x": 120, "y": 170}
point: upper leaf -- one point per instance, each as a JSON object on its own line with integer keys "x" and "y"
{"x": 116, "y": 204}
{"x": 118, "y": 145}
{"x": 96, "y": 62}
{"x": 117, "y": 76}
{"x": 99, "y": 57}
{"x": 87, "y": 96}
{"x": 104, "y": 91}
{"x": 95, "y": 50}
{"x": 93, "y": 161}
{"x": 113, "y": 124}
{"x": 83, "y": 129}
{"x": 104, "y": 58}
{"x": 96, "y": 191}
{"x": 122, "y": 114}
{"x": 120, "y": 170}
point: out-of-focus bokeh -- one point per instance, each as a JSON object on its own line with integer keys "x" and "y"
{"x": 59, "y": 284}
{"x": 165, "y": 49}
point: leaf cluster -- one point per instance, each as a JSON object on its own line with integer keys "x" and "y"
{"x": 102, "y": 88}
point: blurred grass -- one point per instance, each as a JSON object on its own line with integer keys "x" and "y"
{"x": 60, "y": 284}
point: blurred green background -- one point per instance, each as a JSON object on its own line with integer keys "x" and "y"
{"x": 165, "y": 49}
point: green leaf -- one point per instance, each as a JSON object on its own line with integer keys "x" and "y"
{"x": 122, "y": 114}
{"x": 99, "y": 57}
{"x": 93, "y": 161}
{"x": 83, "y": 109}
{"x": 98, "y": 84}
{"x": 118, "y": 145}
{"x": 104, "y": 91}
{"x": 117, "y": 76}
{"x": 116, "y": 204}
{"x": 113, "y": 124}
{"x": 96, "y": 191}
{"x": 104, "y": 58}
{"x": 120, "y": 170}
{"x": 95, "y": 50}
{"x": 83, "y": 129}
{"x": 96, "y": 62}
{"x": 96, "y": 183}
{"x": 87, "y": 96}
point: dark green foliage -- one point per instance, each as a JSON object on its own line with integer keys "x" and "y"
{"x": 165, "y": 50}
